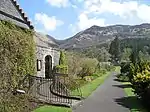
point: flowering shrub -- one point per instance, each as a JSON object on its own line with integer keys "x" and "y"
{"x": 139, "y": 76}
{"x": 141, "y": 81}
{"x": 141, "y": 84}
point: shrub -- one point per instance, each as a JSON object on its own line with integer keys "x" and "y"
{"x": 62, "y": 60}
{"x": 123, "y": 77}
{"x": 17, "y": 58}
{"x": 61, "y": 69}
{"x": 140, "y": 75}
{"x": 88, "y": 67}
{"x": 141, "y": 85}
{"x": 125, "y": 67}
{"x": 105, "y": 65}
{"x": 74, "y": 62}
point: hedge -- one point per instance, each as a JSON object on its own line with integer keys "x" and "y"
{"x": 17, "y": 58}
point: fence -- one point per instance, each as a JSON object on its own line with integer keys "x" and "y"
{"x": 59, "y": 90}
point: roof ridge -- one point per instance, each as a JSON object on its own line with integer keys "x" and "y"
{"x": 23, "y": 14}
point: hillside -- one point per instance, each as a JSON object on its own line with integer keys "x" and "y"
{"x": 96, "y": 35}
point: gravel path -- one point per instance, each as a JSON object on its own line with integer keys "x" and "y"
{"x": 106, "y": 98}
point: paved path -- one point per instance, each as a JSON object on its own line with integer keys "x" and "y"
{"x": 105, "y": 99}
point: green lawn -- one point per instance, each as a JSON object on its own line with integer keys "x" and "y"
{"x": 52, "y": 109}
{"x": 132, "y": 101}
{"x": 91, "y": 86}
{"x": 117, "y": 69}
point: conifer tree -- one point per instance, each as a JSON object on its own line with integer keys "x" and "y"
{"x": 115, "y": 50}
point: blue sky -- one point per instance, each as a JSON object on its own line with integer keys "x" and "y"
{"x": 64, "y": 18}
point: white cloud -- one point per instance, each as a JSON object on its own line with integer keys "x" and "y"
{"x": 85, "y": 22}
{"x": 107, "y": 6}
{"x": 79, "y": 1}
{"x": 142, "y": 13}
{"x": 48, "y": 23}
{"x": 124, "y": 10}
{"x": 74, "y": 6}
{"x": 128, "y": 10}
{"x": 58, "y": 3}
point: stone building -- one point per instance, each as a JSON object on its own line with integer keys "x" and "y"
{"x": 47, "y": 55}
{"x": 47, "y": 52}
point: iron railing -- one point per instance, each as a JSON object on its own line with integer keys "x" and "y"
{"x": 58, "y": 90}
{"x": 66, "y": 87}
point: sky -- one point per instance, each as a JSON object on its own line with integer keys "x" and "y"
{"x": 64, "y": 18}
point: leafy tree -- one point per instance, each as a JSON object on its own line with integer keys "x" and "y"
{"x": 103, "y": 55}
{"x": 88, "y": 67}
{"x": 144, "y": 56}
{"x": 126, "y": 54}
{"x": 74, "y": 63}
{"x": 115, "y": 50}
{"x": 134, "y": 57}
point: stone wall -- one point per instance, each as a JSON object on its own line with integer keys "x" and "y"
{"x": 41, "y": 53}
{"x": 10, "y": 13}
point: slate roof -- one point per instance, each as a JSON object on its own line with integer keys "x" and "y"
{"x": 22, "y": 14}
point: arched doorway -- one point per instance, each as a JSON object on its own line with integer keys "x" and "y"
{"x": 48, "y": 66}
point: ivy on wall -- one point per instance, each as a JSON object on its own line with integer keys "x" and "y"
{"x": 17, "y": 58}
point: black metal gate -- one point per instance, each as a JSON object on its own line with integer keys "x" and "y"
{"x": 51, "y": 91}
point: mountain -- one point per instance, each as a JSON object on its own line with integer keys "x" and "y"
{"x": 96, "y": 35}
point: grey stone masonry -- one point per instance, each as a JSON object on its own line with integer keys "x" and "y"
{"x": 42, "y": 52}
{"x": 43, "y": 49}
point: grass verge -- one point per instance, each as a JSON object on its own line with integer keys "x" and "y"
{"x": 91, "y": 86}
{"x": 132, "y": 101}
{"x": 52, "y": 109}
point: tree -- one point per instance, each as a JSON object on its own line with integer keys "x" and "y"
{"x": 144, "y": 56}
{"x": 88, "y": 67}
{"x": 103, "y": 55}
{"x": 62, "y": 60}
{"x": 62, "y": 67}
{"x": 126, "y": 54}
{"x": 115, "y": 50}
{"x": 134, "y": 57}
{"x": 74, "y": 61}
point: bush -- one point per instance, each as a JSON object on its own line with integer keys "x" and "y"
{"x": 125, "y": 72}
{"x": 61, "y": 69}
{"x": 62, "y": 60}
{"x": 17, "y": 58}
{"x": 125, "y": 68}
{"x": 88, "y": 67}
{"x": 140, "y": 74}
{"x": 141, "y": 85}
{"x": 123, "y": 77}
{"x": 74, "y": 62}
